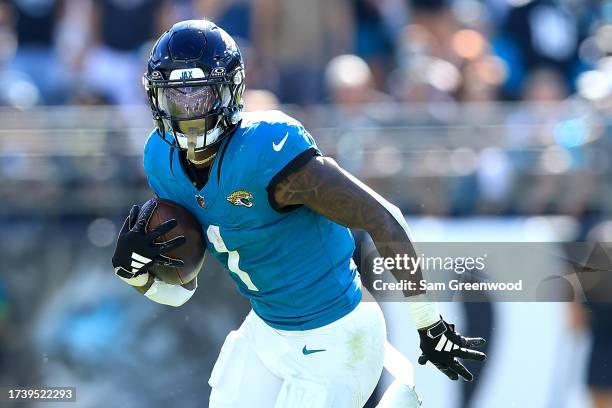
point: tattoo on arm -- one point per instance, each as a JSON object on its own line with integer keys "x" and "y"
{"x": 327, "y": 189}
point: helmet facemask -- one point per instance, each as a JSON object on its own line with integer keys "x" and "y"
{"x": 198, "y": 112}
{"x": 193, "y": 114}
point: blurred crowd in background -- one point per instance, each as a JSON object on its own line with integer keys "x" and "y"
{"x": 92, "y": 51}
{"x": 415, "y": 50}
{"x": 450, "y": 108}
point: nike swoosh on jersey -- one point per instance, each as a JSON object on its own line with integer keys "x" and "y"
{"x": 306, "y": 352}
{"x": 279, "y": 146}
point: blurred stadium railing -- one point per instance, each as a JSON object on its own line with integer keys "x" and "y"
{"x": 438, "y": 159}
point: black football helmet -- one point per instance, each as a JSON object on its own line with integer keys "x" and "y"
{"x": 194, "y": 83}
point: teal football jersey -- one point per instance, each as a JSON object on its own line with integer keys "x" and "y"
{"x": 294, "y": 265}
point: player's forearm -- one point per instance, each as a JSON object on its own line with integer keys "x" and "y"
{"x": 392, "y": 240}
{"x": 334, "y": 193}
{"x": 390, "y": 235}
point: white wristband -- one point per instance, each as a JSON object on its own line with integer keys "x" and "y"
{"x": 166, "y": 294}
{"x": 138, "y": 280}
{"x": 423, "y": 311}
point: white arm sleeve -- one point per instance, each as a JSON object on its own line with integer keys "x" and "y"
{"x": 138, "y": 280}
{"x": 171, "y": 295}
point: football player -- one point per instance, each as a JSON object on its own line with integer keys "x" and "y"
{"x": 276, "y": 213}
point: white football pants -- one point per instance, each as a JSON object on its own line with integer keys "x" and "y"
{"x": 337, "y": 365}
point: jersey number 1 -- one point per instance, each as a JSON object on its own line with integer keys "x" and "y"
{"x": 233, "y": 259}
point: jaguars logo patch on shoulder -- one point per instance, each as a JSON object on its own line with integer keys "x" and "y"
{"x": 241, "y": 197}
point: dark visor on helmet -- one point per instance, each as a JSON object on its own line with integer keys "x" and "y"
{"x": 192, "y": 110}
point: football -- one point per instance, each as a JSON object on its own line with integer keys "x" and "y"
{"x": 192, "y": 252}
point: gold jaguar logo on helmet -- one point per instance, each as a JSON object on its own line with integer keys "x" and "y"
{"x": 241, "y": 197}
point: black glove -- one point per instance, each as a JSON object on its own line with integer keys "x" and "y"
{"x": 136, "y": 248}
{"x": 441, "y": 345}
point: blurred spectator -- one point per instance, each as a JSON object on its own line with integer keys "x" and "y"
{"x": 377, "y": 26}
{"x": 234, "y": 16}
{"x": 122, "y": 33}
{"x": 258, "y": 99}
{"x": 350, "y": 84}
{"x": 547, "y": 138}
{"x": 427, "y": 80}
{"x": 35, "y": 23}
{"x": 532, "y": 123}
{"x": 544, "y": 86}
{"x": 293, "y": 39}
{"x": 481, "y": 81}
{"x": 536, "y": 34}
{"x": 436, "y": 17}
{"x": 487, "y": 188}
{"x": 529, "y": 131}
